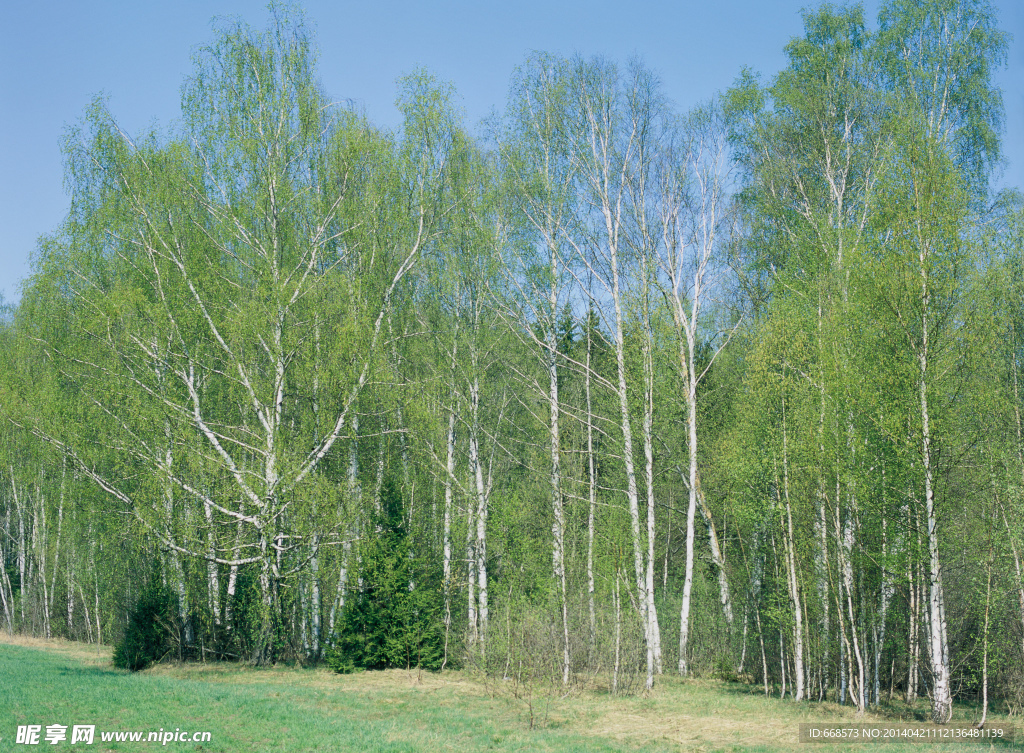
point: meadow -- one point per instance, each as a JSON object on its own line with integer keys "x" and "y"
{"x": 295, "y": 709}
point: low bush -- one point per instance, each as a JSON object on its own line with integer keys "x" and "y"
{"x": 147, "y": 638}
{"x": 393, "y": 619}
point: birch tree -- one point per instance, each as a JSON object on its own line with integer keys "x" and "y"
{"x": 694, "y": 214}
{"x": 256, "y": 197}
{"x": 613, "y": 117}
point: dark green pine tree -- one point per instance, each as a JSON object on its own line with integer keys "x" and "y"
{"x": 394, "y": 618}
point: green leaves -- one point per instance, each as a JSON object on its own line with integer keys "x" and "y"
{"x": 941, "y": 54}
{"x": 393, "y": 618}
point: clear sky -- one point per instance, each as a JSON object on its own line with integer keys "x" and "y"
{"x": 56, "y": 56}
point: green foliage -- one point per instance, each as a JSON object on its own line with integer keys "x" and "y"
{"x": 394, "y": 618}
{"x": 147, "y": 639}
{"x": 243, "y": 315}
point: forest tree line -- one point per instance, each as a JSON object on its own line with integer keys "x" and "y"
{"x": 628, "y": 390}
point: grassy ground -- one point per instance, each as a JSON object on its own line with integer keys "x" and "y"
{"x": 293, "y": 709}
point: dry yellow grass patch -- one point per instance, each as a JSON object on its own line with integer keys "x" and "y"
{"x": 702, "y": 715}
{"x": 692, "y": 732}
{"x": 88, "y": 653}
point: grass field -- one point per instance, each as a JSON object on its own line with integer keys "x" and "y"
{"x": 294, "y": 709}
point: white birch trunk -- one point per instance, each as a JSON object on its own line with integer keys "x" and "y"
{"x": 480, "y": 548}
{"x": 1017, "y": 567}
{"x": 315, "y": 598}
{"x": 654, "y": 630}
{"x": 212, "y": 572}
{"x": 555, "y": 443}
{"x": 472, "y": 623}
{"x": 355, "y": 501}
{"x": 592, "y": 506}
{"x": 447, "y": 534}
{"x": 794, "y": 590}
{"x": 888, "y": 588}
{"x": 229, "y": 601}
{"x": 618, "y": 634}
{"x": 57, "y": 548}
{"x": 691, "y": 508}
{"x": 717, "y": 557}
{"x": 846, "y": 553}
{"x": 6, "y": 593}
{"x": 756, "y": 576}
{"x": 607, "y": 171}
{"x": 984, "y": 659}
{"x": 632, "y": 494}
{"x": 942, "y": 702}
{"x": 21, "y": 548}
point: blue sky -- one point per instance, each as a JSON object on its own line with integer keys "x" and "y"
{"x": 56, "y": 56}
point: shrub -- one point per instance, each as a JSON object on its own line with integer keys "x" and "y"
{"x": 393, "y": 619}
{"x": 147, "y": 638}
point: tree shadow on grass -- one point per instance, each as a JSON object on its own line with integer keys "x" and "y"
{"x": 89, "y": 672}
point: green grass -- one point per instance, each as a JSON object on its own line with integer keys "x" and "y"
{"x": 294, "y": 709}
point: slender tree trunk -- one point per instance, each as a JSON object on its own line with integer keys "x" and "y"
{"x": 6, "y": 593}
{"x": 845, "y": 654}
{"x": 174, "y": 557}
{"x": 592, "y": 499}
{"x": 888, "y": 589}
{"x": 57, "y": 549}
{"x": 717, "y": 557}
{"x": 782, "y": 664}
{"x": 942, "y": 703}
{"x": 85, "y": 608}
{"x": 96, "y": 591}
{"x": 229, "y": 601}
{"x": 355, "y": 502}
{"x": 630, "y": 468}
{"x": 447, "y": 533}
{"x": 984, "y": 658}
{"x": 472, "y": 622}
{"x": 846, "y": 548}
{"x": 212, "y": 571}
{"x": 1020, "y": 462}
{"x": 1017, "y": 566}
{"x": 480, "y": 548}
{"x": 609, "y": 179}
{"x": 654, "y": 630}
{"x": 315, "y": 597}
{"x": 821, "y": 526}
{"x": 558, "y": 527}
{"x": 914, "y": 649}
{"x": 39, "y": 550}
{"x": 378, "y": 482}
{"x": 756, "y": 577}
{"x": 794, "y": 590}
{"x": 618, "y": 634}
{"x": 21, "y": 548}
{"x": 691, "y": 509}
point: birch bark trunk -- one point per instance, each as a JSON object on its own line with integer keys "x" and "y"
{"x": 212, "y": 570}
{"x": 654, "y": 642}
{"x": 942, "y": 702}
{"x": 480, "y": 548}
{"x": 447, "y": 532}
{"x": 609, "y": 141}
{"x": 592, "y": 501}
{"x": 691, "y": 217}
{"x": 888, "y": 588}
{"x": 351, "y": 514}
{"x": 691, "y": 509}
{"x": 555, "y": 443}
{"x": 1016, "y": 565}
{"x": 794, "y": 590}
